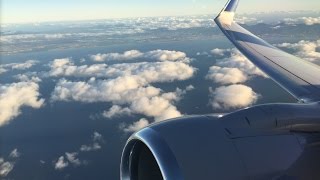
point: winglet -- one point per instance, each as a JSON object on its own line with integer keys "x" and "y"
{"x": 226, "y": 16}
{"x": 231, "y": 6}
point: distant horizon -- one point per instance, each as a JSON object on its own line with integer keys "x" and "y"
{"x": 18, "y": 11}
{"x": 315, "y": 12}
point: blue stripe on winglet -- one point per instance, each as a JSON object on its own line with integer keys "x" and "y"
{"x": 238, "y": 36}
{"x": 232, "y": 6}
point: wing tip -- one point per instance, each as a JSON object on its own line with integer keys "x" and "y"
{"x": 226, "y": 16}
{"x": 231, "y": 6}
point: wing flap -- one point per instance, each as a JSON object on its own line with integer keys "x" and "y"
{"x": 299, "y": 77}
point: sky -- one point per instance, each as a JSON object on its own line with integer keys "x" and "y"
{"x": 22, "y": 11}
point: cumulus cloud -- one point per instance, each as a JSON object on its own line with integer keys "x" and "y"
{"x": 97, "y": 138}
{"x": 159, "y": 55}
{"x": 73, "y": 159}
{"x": 7, "y": 166}
{"x": 302, "y": 20}
{"x": 220, "y": 52}
{"x": 233, "y": 96}
{"x": 142, "y": 123}
{"x": 307, "y": 50}
{"x": 231, "y": 69}
{"x": 246, "y": 20}
{"x": 19, "y": 66}
{"x": 61, "y": 163}
{"x": 128, "y": 55}
{"x": 190, "y": 88}
{"x": 2, "y": 70}
{"x": 28, "y": 77}
{"x": 129, "y": 86}
{"x": 91, "y": 147}
{"x": 115, "y": 111}
{"x": 119, "y": 90}
{"x": 130, "y": 91}
{"x": 15, "y": 154}
{"x": 16, "y": 95}
{"x": 235, "y": 59}
{"x": 157, "y": 107}
{"x": 150, "y": 71}
{"x": 226, "y": 75}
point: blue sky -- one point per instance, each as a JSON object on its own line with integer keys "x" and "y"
{"x": 13, "y": 11}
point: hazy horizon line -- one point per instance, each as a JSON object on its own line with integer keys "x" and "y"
{"x": 135, "y": 17}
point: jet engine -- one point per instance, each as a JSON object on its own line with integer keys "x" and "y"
{"x": 278, "y": 141}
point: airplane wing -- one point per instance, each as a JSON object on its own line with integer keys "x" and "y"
{"x": 299, "y": 77}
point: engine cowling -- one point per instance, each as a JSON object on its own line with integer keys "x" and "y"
{"x": 181, "y": 149}
{"x": 276, "y": 141}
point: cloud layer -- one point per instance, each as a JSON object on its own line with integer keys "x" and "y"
{"x": 233, "y": 96}
{"x": 17, "y": 66}
{"x": 231, "y": 69}
{"x": 128, "y": 85}
{"x": 16, "y": 95}
{"x": 308, "y": 50}
{"x": 159, "y": 55}
{"x": 149, "y": 71}
{"x": 302, "y": 20}
{"x": 6, "y": 166}
{"x": 72, "y": 158}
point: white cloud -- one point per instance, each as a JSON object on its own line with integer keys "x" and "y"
{"x": 128, "y": 55}
{"x": 7, "y": 166}
{"x": 121, "y": 91}
{"x": 220, "y": 52}
{"x": 234, "y": 68}
{"x": 19, "y": 66}
{"x": 97, "y": 138}
{"x": 142, "y": 123}
{"x": 91, "y": 147}
{"x": 302, "y": 20}
{"x": 304, "y": 49}
{"x": 311, "y": 20}
{"x": 151, "y": 72}
{"x": 16, "y": 95}
{"x": 226, "y": 75}
{"x": 68, "y": 159}
{"x": 166, "y": 55}
{"x": 2, "y": 70}
{"x": 28, "y": 77}
{"x": 15, "y": 154}
{"x": 115, "y": 111}
{"x": 237, "y": 60}
{"x": 130, "y": 85}
{"x": 157, "y": 107}
{"x": 159, "y": 55}
{"x": 233, "y": 96}
{"x": 61, "y": 163}
{"x": 72, "y": 158}
{"x": 246, "y": 20}
{"x": 190, "y": 88}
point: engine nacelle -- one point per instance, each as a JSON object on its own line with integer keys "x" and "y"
{"x": 193, "y": 147}
{"x": 262, "y": 142}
